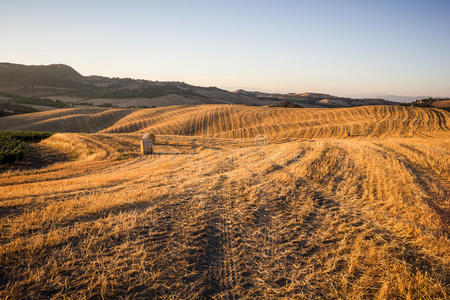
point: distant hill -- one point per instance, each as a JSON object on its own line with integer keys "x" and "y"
{"x": 57, "y": 86}
{"x": 52, "y": 75}
{"x": 62, "y": 83}
{"x": 316, "y": 99}
{"x": 442, "y": 103}
{"x": 389, "y": 97}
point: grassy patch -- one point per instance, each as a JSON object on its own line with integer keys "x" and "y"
{"x": 35, "y": 101}
{"x": 151, "y": 92}
{"x": 10, "y": 107}
{"x": 40, "y": 101}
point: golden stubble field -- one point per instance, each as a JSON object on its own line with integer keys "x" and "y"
{"x": 237, "y": 202}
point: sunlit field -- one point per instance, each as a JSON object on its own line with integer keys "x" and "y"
{"x": 236, "y": 202}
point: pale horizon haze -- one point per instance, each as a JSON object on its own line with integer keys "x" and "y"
{"x": 336, "y": 47}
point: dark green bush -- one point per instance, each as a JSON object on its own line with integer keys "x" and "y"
{"x": 25, "y": 136}
{"x": 13, "y": 145}
{"x": 12, "y": 150}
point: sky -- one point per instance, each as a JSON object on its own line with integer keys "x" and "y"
{"x": 340, "y": 47}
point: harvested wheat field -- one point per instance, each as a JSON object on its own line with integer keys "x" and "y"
{"x": 236, "y": 202}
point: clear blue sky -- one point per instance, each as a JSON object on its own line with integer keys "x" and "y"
{"x": 338, "y": 47}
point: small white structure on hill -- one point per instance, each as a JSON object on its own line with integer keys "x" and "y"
{"x": 147, "y": 142}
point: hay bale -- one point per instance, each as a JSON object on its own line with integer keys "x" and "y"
{"x": 149, "y": 136}
{"x": 146, "y": 147}
{"x": 148, "y": 140}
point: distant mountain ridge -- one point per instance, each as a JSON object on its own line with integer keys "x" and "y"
{"x": 316, "y": 99}
{"x": 52, "y": 86}
{"x": 57, "y": 75}
{"x": 62, "y": 81}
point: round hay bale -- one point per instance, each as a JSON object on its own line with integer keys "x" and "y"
{"x": 149, "y": 136}
{"x": 146, "y": 147}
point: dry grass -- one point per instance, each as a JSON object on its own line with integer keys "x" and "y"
{"x": 237, "y": 121}
{"x": 223, "y": 218}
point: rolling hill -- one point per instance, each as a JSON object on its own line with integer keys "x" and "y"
{"x": 56, "y": 75}
{"x": 61, "y": 82}
{"x": 53, "y": 86}
{"x": 317, "y": 99}
{"x": 235, "y": 121}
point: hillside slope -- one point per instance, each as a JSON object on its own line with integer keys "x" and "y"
{"x": 62, "y": 83}
{"x": 56, "y": 75}
{"x": 316, "y": 99}
{"x": 234, "y": 121}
